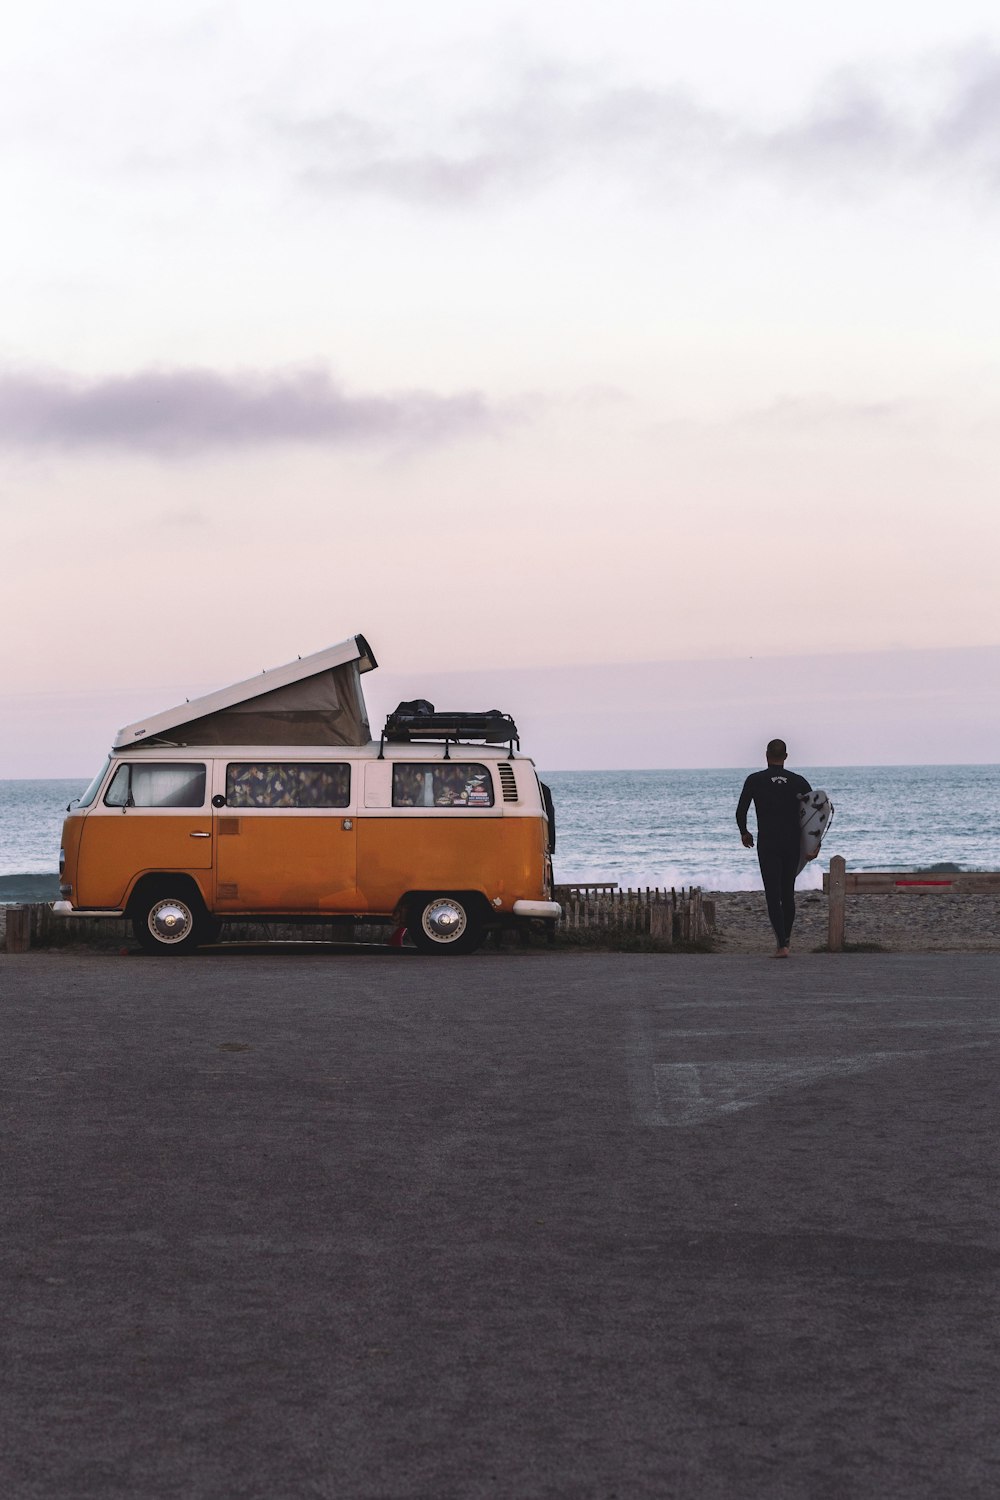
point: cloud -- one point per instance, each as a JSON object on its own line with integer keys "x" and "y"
{"x": 969, "y": 124}
{"x": 819, "y": 417}
{"x": 809, "y": 414}
{"x": 849, "y": 131}
{"x": 855, "y": 133}
{"x": 174, "y": 413}
{"x": 551, "y": 122}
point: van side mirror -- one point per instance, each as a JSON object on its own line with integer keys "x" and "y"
{"x": 218, "y": 800}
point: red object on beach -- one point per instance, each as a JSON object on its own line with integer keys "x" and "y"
{"x": 925, "y": 882}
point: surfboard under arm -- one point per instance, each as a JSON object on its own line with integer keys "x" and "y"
{"x": 815, "y": 817}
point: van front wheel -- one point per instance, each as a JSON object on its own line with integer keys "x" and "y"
{"x": 168, "y": 924}
{"x": 445, "y": 924}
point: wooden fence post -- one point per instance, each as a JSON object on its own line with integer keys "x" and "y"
{"x": 661, "y": 922}
{"x": 836, "y": 903}
{"x": 43, "y": 924}
{"x": 18, "y": 929}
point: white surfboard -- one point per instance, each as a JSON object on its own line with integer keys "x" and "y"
{"x": 815, "y": 817}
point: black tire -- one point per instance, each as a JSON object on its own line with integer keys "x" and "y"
{"x": 444, "y": 923}
{"x": 169, "y": 922}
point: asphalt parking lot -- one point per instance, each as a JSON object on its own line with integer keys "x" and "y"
{"x": 527, "y": 1225}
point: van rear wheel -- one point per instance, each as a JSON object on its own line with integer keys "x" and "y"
{"x": 168, "y": 923}
{"x": 445, "y": 924}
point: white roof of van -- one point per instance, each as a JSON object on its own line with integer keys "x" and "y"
{"x": 355, "y": 649}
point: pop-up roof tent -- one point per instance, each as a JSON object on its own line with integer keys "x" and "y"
{"x": 316, "y": 700}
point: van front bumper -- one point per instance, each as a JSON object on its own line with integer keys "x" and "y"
{"x": 551, "y": 910}
{"x": 67, "y": 909}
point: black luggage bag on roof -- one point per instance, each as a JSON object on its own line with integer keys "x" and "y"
{"x": 420, "y": 721}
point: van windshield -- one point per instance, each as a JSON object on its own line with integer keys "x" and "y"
{"x": 94, "y": 786}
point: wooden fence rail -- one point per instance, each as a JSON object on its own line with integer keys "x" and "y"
{"x": 918, "y": 882}
{"x": 841, "y": 883}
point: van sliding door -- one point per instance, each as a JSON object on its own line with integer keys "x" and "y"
{"x": 286, "y": 836}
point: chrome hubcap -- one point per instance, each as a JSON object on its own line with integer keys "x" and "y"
{"x": 444, "y": 920}
{"x": 170, "y": 921}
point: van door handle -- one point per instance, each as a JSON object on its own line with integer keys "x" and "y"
{"x": 197, "y": 835}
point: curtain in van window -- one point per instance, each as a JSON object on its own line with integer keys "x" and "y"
{"x": 287, "y": 784}
{"x": 167, "y": 785}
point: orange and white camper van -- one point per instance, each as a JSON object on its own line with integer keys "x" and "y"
{"x": 270, "y": 799}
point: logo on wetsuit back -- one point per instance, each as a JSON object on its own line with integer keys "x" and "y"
{"x": 780, "y": 780}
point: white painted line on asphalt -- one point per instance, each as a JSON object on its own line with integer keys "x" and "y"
{"x": 689, "y": 1093}
{"x": 818, "y": 1028}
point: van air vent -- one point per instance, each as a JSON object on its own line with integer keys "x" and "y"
{"x": 507, "y": 780}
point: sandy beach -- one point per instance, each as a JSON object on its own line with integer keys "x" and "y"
{"x": 899, "y": 922}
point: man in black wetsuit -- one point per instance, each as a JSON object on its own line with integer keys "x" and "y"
{"x": 775, "y": 796}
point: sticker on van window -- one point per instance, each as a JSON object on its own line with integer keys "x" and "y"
{"x": 453, "y": 784}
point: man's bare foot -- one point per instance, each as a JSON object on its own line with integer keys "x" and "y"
{"x": 781, "y": 953}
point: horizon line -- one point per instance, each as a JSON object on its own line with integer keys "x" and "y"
{"x": 871, "y": 765}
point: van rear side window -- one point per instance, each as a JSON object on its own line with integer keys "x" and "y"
{"x": 453, "y": 784}
{"x": 157, "y": 784}
{"x": 287, "y": 784}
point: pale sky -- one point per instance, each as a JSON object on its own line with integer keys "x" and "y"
{"x": 514, "y": 336}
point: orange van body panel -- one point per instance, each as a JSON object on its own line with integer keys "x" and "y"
{"x": 117, "y": 848}
{"x": 293, "y": 864}
{"x": 526, "y": 847}
{"x": 499, "y": 857}
{"x": 72, "y": 832}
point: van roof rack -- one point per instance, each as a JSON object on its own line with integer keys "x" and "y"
{"x": 419, "y": 721}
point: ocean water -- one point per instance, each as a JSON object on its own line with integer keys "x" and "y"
{"x": 666, "y": 828}
{"x": 674, "y": 828}
{"x": 31, "y": 815}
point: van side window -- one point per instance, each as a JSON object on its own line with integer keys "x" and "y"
{"x": 157, "y": 784}
{"x": 453, "y": 784}
{"x": 287, "y": 784}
